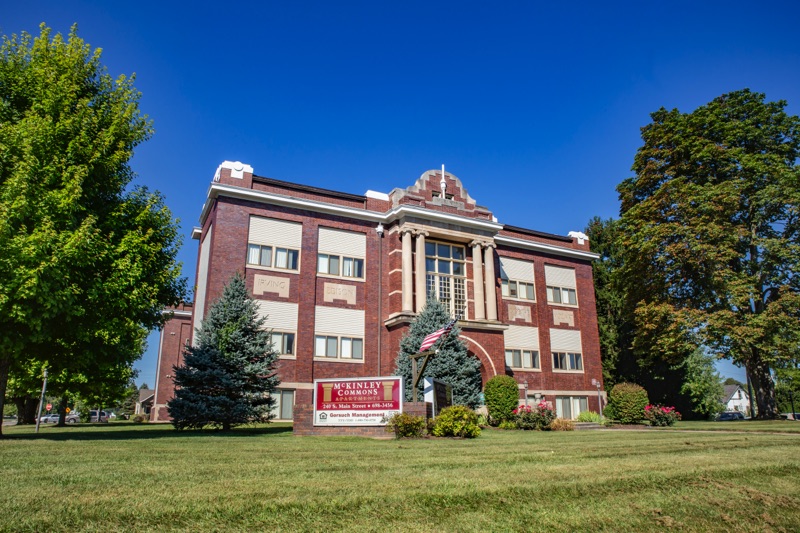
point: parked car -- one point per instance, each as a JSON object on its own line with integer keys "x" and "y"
{"x": 49, "y": 419}
{"x": 73, "y": 418}
{"x": 93, "y": 416}
{"x": 728, "y": 416}
{"x": 790, "y": 416}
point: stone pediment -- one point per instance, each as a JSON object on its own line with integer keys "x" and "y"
{"x": 432, "y": 192}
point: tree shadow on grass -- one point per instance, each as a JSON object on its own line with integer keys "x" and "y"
{"x": 144, "y": 432}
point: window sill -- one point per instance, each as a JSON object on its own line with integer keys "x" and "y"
{"x": 340, "y": 278}
{"x": 338, "y": 360}
{"x": 514, "y": 369}
{"x": 523, "y": 300}
{"x": 272, "y": 269}
{"x": 561, "y": 371}
{"x": 284, "y": 357}
{"x": 570, "y": 306}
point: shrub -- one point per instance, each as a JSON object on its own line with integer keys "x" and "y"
{"x": 457, "y": 421}
{"x": 502, "y": 397}
{"x": 508, "y": 424}
{"x": 562, "y": 424}
{"x": 405, "y": 425}
{"x": 626, "y": 403}
{"x": 658, "y": 415}
{"x": 538, "y": 418}
{"x": 589, "y": 416}
{"x": 138, "y": 419}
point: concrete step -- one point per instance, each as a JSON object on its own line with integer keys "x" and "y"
{"x": 587, "y": 425}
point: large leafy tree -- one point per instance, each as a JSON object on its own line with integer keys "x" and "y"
{"x": 452, "y": 364}
{"x": 87, "y": 262}
{"x": 616, "y": 320}
{"x": 228, "y": 377}
{"x": 711, "y": 233}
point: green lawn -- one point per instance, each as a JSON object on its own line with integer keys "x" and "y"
{"x": 121, "y": 477}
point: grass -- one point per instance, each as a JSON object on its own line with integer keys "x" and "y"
{"x": 122, "y": 477}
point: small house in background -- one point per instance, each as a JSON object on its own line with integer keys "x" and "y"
{"x": 736, "y": 399}
{"x": 145, "y": 403}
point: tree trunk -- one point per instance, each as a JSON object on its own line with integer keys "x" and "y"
{"x": 26, "y": 409}
{"x": 5, "y": 366}
{"x": 62, "y": 412}
{"x": 763, "y": 388}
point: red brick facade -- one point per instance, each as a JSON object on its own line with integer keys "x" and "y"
{"x": 430, "y": 215}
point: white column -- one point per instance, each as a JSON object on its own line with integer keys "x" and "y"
{"x": 419, "y": 272}
{"x": 408, "y": 296}
{"x": 477, "y": 281}
{"x": 491, "y": 293}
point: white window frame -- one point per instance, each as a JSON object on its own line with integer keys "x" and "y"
{"x": 555, "y": 295}
{"x": 572, "y": 360}
{"x": 280, "y": 347}
{"x": 506, "y": 285}
{"x": 341, "y": 261}
{"x": 574, "y": 403}
{"x": 274, "y": 251}
{"x": 343, "y": 347}
{"x": 450, "y": 289}
{"x": 280, "y": 396}
{"x": 534, "y": 356}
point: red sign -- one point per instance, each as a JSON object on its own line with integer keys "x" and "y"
{"x": 357, "y": 401}
{"x": 49, "y": 406}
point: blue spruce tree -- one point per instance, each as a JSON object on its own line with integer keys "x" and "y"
{"x": 452, "y": 364}
{"x": 227, "y": 379}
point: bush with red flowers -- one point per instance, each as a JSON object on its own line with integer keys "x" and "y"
{"x": 661, "y": 416}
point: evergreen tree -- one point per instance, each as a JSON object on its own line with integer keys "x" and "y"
{"x": 227, "y": 379}
{"x": 452, "y": 365}
{"x": 128, "y": 406}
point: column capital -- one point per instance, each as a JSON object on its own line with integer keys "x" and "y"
{"x": 420, "y": 232}
{"x": 482, "y": 243}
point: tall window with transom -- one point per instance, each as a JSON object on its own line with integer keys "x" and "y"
{"x": 446, "y": 275}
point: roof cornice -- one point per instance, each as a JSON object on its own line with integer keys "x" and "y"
{"x": 396, "y": 213}
{"x": 217, "y": 189}
{"x": 546, "y": 248}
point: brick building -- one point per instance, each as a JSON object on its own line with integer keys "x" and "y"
{"x": 341, "y": 276}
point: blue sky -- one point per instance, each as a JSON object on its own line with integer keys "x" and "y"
{"x": 535, "y": 106}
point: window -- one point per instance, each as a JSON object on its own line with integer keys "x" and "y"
{"x": 567, "y": 361}
{"x": 349, "y": 267}
{"x": 561, "y": 285}
{"x": 339, "y": 347}
{"x": 570, "y": 407}
{"x": 283, "y": 343}
{"x": 561, "y": 295}
{"x": 446, "y": 273}
{"x": 283, "y": 409}
{"x": 517, "y": 289}
{"x": 525, "y": 359}
{"x": 268, "y": 256}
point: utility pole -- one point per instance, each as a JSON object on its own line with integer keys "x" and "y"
{"x": 41, "y": 401}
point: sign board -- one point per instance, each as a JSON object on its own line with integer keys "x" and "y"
{"x": 357, "y": 401}
{"x": 69, "y": 410}
{"x": 439, "y": 393}
{"x": 49, "y": 406}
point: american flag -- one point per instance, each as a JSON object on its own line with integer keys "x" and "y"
{"x": 431, "y": 338}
